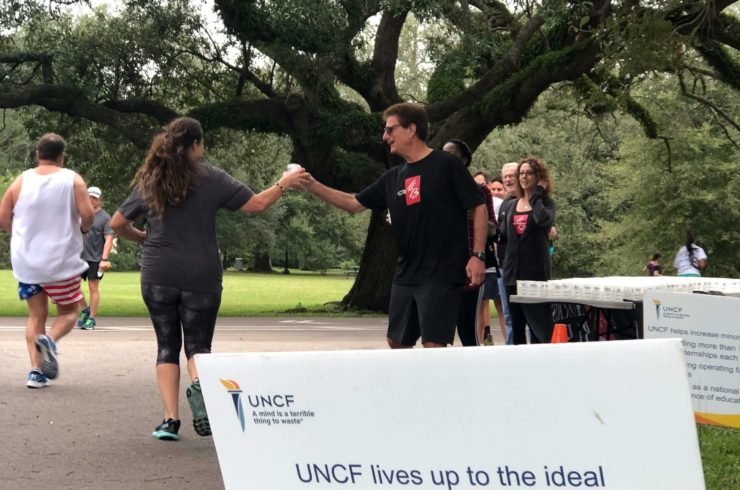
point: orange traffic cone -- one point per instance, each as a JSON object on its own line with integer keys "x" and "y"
{"x": 559, "y": 334}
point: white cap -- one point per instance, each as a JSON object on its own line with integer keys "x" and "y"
{"x": 94, "y": 191}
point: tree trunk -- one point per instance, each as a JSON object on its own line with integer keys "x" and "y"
{"x": 262, "y": 262}
{"x": 285, "y": 264}
{"x": 372, "y": 287}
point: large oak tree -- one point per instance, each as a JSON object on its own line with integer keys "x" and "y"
{"x": 285, "y": 67}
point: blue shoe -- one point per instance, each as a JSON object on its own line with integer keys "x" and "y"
{"x": 167, "y": 430}
{"x": 89, "y": 324}
{"x": 48, "y": 350}
{"x": 36, "y": 379}
{"x": 84, "y": 315}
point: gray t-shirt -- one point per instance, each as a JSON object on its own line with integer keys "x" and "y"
{"x": 180, "y": 249}
{"x": 92, "y": 250}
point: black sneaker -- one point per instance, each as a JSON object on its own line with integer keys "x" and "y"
{"x": 167, "y": 430}
{"x": 200, "y": 416}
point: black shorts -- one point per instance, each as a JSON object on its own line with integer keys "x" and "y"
{"x": 428, "y": 311}
{"x": 93, "y": 272}
{"x": 490, "y": 290}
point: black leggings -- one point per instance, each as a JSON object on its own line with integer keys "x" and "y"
{"x": 540, "y": 320}
{"x": 467, "y": 316}
{"x": 175, "y": 312}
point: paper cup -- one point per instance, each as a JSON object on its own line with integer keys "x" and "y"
{"x": 293, "y": 167}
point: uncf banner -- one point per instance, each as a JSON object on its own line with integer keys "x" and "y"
{"x": 612, "y": 415}
{"x": 709, "y": 329}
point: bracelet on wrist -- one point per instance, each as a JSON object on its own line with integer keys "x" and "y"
{"x": 282, "y": 189}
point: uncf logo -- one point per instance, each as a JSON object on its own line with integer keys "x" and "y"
{"x": 236, "y": 396}
{"x": 657, "y": 308}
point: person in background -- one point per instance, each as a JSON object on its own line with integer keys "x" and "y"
{"x": 496, "y": 185}
{"x": 527, "y": 229}
{"x": 691, "y": 259}
{"x": 98, "y": 243}
{"x": 470, "y": 326}
{"x": 46, "y": 210}
{"x": 491, "y": 290}
{"x": 508, "y": 178}
{"x": 179, "y": 193}
{"x": 653, "y": 266}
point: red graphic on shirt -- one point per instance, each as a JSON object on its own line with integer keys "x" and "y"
{"x": 520, "y": 222}
{"x": 412, "y": 190}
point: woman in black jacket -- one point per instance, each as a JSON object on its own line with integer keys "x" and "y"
{"x": 528, "y": 222}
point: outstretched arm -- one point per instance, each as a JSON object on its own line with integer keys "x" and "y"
{"x": 297, "y": 179}
{"x": 342, "y": 200}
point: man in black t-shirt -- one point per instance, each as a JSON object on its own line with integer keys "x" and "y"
{"x": 427, "y": 198}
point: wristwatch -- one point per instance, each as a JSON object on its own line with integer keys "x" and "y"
{"x": 480, "y": 255}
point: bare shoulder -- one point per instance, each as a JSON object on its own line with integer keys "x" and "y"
{"x": 15, "y": 188}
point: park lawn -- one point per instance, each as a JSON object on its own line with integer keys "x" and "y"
{"x": 720, "y": 455}
{"x": 245, "y": 294}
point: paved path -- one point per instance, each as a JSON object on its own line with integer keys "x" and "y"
{"x": 91, "y": 428}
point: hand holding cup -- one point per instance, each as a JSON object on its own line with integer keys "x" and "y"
{"x": 295, "y": 177}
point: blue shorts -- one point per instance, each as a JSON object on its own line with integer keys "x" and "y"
{"x": 26, "y": 291}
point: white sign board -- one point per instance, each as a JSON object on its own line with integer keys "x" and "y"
{"x": 594, "y": 415}
{"x": 710, "y": 329}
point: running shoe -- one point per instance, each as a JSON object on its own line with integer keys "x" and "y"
{"x": 89, "y": 324}
{"x": 36, "y": 379}
{"x": 84, "y": 315}
{"x": 167, "y": 430}
{"x": 200, "y": 417}
{"x": 48, "y": 350}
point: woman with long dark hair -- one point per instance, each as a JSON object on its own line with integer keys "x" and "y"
{"x": 179, "y": 194}
{"x": 691, "y": 259}
{"x": 529, "y": 218}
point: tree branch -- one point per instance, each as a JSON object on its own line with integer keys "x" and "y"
{"x": 726, "y": 30}
{"x": 151, "y": 108}
{"x": 702, "y": 71}
{"x": 266, "y": 115}
{"x": 44, "y": 60}
{"x": 706, "y": 102}
{"x": 667, "y": 143}
{"x": 496, "y": 75}
{"x": 720, "y": 5}
{"x": 381, "y": 90}
{"x": 718, "y": 58}
{"x": 73, "y": 102}
{"x": 509, "y": 101}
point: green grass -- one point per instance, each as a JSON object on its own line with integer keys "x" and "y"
{"x": 720, "y": 454}
{"x": 245, "y": 294}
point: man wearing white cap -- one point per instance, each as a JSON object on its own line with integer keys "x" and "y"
{"x": 96, "y": 251}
